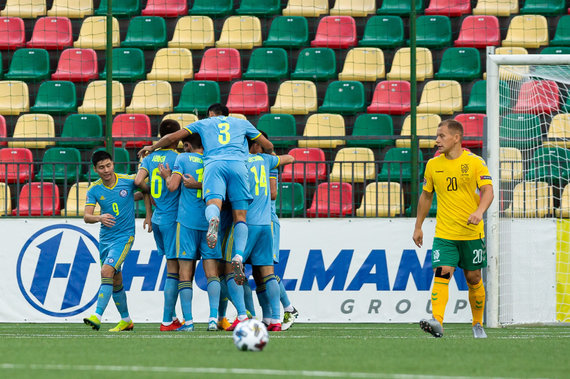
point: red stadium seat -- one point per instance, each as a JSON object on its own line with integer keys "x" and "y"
{"x": 248, "y": 97}
{"x": 12, "y": 33}
{"x": 479, "y": 32}
{"x": 391, "y": 97}
{"x": 38, "y": 199}
{"x": 336, "y": 32}
{"x": 132, "y": 125}
{"x": 166, "y": 8}
{"x": 538, "y": 96}
{"x": 3, "y": 132}
{"x": 220, "y": 64}
{"x": 451, "y": 8}
{"x": 305, "y": 172}
{"x": 331, "y": 200}
{"x": 51, "y": 33}
{"x": 76, "y": 65}
{"x": 16, "y": 165}
{"x": 472, "y": 127}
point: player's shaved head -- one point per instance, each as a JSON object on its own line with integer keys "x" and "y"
{"x": 168, "y": 127}
{"x": 218, "y": 109}
{"x": 453, "y": 126}
{"x": 99, "y": 156}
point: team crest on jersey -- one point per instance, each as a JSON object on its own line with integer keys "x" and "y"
{"x": 464, "y": 168}
{"x": 123, "y": 193}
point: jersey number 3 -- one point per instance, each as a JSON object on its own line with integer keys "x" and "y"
{"x": 224, "y": 136}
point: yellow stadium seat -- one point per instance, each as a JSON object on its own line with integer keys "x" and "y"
{"x": 71, "y": 8}
{"x": 564, "y": 210}
{"x": 505, "y": 71}
{"x": 76, "y": 199}
{"x": 5, "y": 200}
{"x": 34, "y": 127}
{"x": 353, "y": 164}
{"x": 363, "y": 64}
{"x": 531, "y": 199}
{"x": 441, "y": 97}
{"x": 193, "y": 32}
{"x": 510, "y": 159}
{"x": 426, "y": 125}
{"x": 183, "y": 119}
{"x": 382, "y": 200}
{"x": 502, "y": 8}
{"x": 238, "y": 115}
{"x": 14, "y": 97}
{"x": 95, "y": 97}
{"x": 306, "y": 8}
{"x": 24, "y": 8}
{"x": 172, "y": 64}
{"x": 354, "y": 8}
{"x": 151, "y": 97}
{"x": 401, "y": 65}
{"x": 240, "y": 32}
{"x": 324, "y": 125}
{"x": 93, "y": 33}
{"x": 296, "y": 97}
{"x": 559, "y": 131}
{"x": 527, "y": 31}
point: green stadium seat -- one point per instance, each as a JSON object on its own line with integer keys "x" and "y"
{"x": 55, "y": 97}
{"x": 433, "y": 208}
{"x": 344, "y": 97}
{"x": 556, "y": 49}
{"x": 288, "y": 31}
{"x": 213, "y": 8}
{"x": 197, "y": 96}
{"x": 122, "y": 164}
{"x": 315, "y": 63}
{"x": 520, "y": 130}
{"x": 372, "y": 125}
{"x": 460, "y": 63}
{"x": 128, "y": 65}
{"x": 397, "y": 166}
{"x": 121, "y": 8}
{"x": 477, "y": 98}
{"x": 259, "y": 7}
{"x": 290, "y": 200}
{"x": 544, "y": 7}
{"x": 29, "y": 65}
{"x": 562, "y": 36}
{"x": 278, "y": 125}
{"x": 550, "y": 164}
{"x": 433, "y": 31}
{"x": 146, "y": 32}
{"x": 60, "y": 164}
{"x": 78, "y": 126}
{"x": 399, "y": 7}
{"x": 267, "y": 63}
{"x": 383, "y": 32}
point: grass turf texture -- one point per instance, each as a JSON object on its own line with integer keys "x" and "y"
{"x": 306, "y": 350}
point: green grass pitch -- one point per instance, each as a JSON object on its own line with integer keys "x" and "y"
{"x": 400, "y": 351}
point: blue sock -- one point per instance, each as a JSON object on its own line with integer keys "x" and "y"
{"x": 240, "y": 237}
{"x": 223, "y": 298}
{"x": 105, "y": 292}
{"x": 214, "y": 295}
{"x": 185, "y": 291}
{"x": 283, "y": 294}
{"x": 272, "y": 289}
{"x": 248, "y": 298}
{"x": 120, "y": 299}
{"x": 170, "y": 296}
{"x": 212, "y": 211}
{"x": 236, "y": 294}
{"x": 263, "y": 301}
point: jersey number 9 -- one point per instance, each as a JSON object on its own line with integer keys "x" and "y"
{"x": 116, "y": 209}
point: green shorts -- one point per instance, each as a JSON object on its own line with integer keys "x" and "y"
{"x": 469, "y": 255}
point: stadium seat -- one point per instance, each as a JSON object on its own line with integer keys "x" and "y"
{"x": 331, "y": 200}
{"x": 559, "y": 131}
{"x": 182, "y": 118}
{"x": 372, "y": 125}
{"x": 60, "y": 165}
{"x": 354, "y": 8}
{"x": 324, "y": 125}
{"x": 248, "y": 97}
{"x": 122, "y": 8}
{"x": 544, "y": 7}
{"x": 364, "y": 64}
{"x": 529, "y": 31}
{"x": 550, "y": 164}
{"x": 79, "y": 126}
{"x": 278, "y": 125}
{"x": 212, "y": 8}
{"x": 538, "y": 96}
{"x": 51, "y": 33}
{"x": 3, "y": 131}
{"x": 296, "y": 97}
{"x": 502, "y": 8}
{"x": 76, "y": 199}
{"x": 564, "y": 210}
{"x": 238, "y": 115}
{"x": 131, "y": 126}
{"x": 382, "y": 200}
{"x": 128, "y": 65}
{"x": 472, "y": 128}
{"x": 520, "y": 130}
{"x": 307, "y": 167}
{"x": 290, "y": 200}
{"x": 16, "y": 165}
{"x": 34, "y": 128}
{"x": 76, "y": 65}
{"x": 510, "y": 72}
{"x": 311, "y": 8}
{"x": 315, "y": 64}
{"x": 268, "y": 63}
{"x": 336, "y": 32}
{"x": 562, "y": 36}
{"x": 240, "y": 32}
{"x": 397, "y": 166}
{"x": 220, "y": 65}
{"x": 353, "y": 165}
{"x": 29, "y": 65}
{"x": 288, "y": 31}
{"x": 383, "y": 32}
{"x": 166, "y": 8}
{"x": 55, "y": 97}
{"x": 555, "y": 49}
{"x": 400, "y": 8}
{"x": 441, "y": 97}
{"x": 193, "y": 32}
{"x": 426, "y": 126}
{"x": 433, "y": 31}
{"x": 93, "y": 33}
{"x": 12, "y": 33}
{"x": 121, "y": 160}
{"x": 477, "y": 98}
{"x": 95, "y": 98}
{"x": 263, "y": 8}
{"x": 14, "y": 97}
{"x": 450, "y": 8}
{"x": 531, "y": 199}
{"x": 24, "y": 8}
{"x": 146, "y": 32}
{"x": 479, "y": 32}
{"x": 172, "y": 64}
{"x": 460, "y": 63}
{"x": 197, "y": 96}
{"x": 5, "y": 200}
{"x": 151, "y": 97}
{"x": 510, "y": 162}
{"x": 38, "y": 199}
{"x": 71, "y": 8}
{"x": 391, "y": 97}
{"x": 401, "y": 65}
{"x": 344, "y": 97}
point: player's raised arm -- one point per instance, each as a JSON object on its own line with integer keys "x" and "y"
{"x": 286, "y": 159}
{"x": 424, "y": 204}
{"x": 165, "y": 141}
{"x": 265, "y": 144}
{"x": 140, "y": 179}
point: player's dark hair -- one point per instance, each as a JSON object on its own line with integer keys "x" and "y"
{"x": 99, "y": 156}
{"x": 250, "y": 142}
{"x": 453, "y": 125}
{"x": 168, "y": 126}
{"x": 219, "y": 109}
{"x": 194, "y": 140}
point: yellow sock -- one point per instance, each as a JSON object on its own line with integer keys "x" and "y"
{"x": 477, "y": 301}
{"x": 439, "y": 297}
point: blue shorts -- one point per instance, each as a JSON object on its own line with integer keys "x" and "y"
{"x": 276, "y": 229}
{"x": 165, "y": 237}
{"x": 226, "y": 176}
{"x": 259, "y": 247}
{"x": 192, "y": 244}
{"x": 115, "y": 252}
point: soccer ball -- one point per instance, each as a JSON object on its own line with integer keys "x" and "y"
{"x": 250, "y": 335}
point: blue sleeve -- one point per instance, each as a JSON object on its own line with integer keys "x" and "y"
{"x": 193, "y": 127}
{"x": 91, "y": 198}
{"x": 145, "y": 163}
{"x": 250, "y": 131}
{"x": 274, "y": 173}
{"x": 178, "y": 165}
{"x": 273, "y": 162}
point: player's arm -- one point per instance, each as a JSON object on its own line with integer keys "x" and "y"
{"x": 106, "y": 219}
{"x": 190, "y": 182}
{"x": 266, "y": 145}
{"x": 138, "y": 196}
{"x": 424, "y": 204}
{"x": 486, "y": 198}
{"x": 286, "y": 159}
{"x": 140, "y": 180}
{"x": 273, "y": 188}
{"x": 173, "y": 181}
{"x": 165, "y": 141}
{"x": 147, "y": 223}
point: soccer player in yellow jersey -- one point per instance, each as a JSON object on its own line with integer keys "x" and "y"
{"x": 464, "y": 192}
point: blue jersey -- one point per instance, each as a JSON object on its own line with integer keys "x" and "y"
{"x": 259, "y": 166}
{"x": 224, "y": 138}
{"x": 166, "y": 201}
{"x": 118, "y": 201}
{"x": 192, "y": 206}
{"x": 274, "y": 174}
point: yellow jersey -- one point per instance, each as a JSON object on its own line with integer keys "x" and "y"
{"x": 456, "y": 183}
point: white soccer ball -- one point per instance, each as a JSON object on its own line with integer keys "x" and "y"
{"x": 250, "y": 335}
